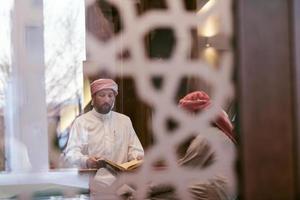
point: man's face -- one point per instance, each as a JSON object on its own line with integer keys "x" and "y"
{"x": 103, "y": 100}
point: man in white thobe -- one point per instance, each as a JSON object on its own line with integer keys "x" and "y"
{"x": 102, "y": 133}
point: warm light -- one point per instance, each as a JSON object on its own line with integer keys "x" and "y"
{"x": 86, "y": 92}
{"x": 206, "y": 7}
{"x": 210, "y": 27}
{"x": 67, "y": 115}
{"x": 207, "y": 44}
{"x": 210, "y": 55}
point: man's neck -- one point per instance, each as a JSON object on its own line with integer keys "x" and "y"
{"x": 100, "y": 115}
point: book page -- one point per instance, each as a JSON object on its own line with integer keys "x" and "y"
{"x": 115, "y": 165}
{"x": 122, "y": 167}
{"x": 132, "y": 164}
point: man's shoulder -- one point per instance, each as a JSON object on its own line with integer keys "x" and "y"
{"x": 83, "y": 117}
{"x": 120, "y": 116}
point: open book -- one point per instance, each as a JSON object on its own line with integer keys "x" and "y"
{"x": 127, "y": 166}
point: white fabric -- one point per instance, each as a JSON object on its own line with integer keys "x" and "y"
{"x": 110, "y": 136}
{"x": 104, "y": 177}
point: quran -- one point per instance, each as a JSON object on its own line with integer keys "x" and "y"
{"x": 127, "y": 166}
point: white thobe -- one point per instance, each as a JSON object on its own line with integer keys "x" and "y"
{"x": 109, "y": 136}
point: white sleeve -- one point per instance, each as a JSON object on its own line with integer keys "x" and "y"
{"x": 135, "y": 148}
{"x": 74, "y": 149}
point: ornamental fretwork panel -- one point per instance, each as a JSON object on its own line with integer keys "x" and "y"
{"x": 199, "y": 58}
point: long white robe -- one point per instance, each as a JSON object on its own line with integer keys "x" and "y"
{"x": 109, "y": 136}
{"x": 199, "y": 154}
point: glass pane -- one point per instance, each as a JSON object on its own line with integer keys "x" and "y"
{"x": 157, "y": 52}
{"x": 64, "y": 55}
{"x": 5, "y": 62}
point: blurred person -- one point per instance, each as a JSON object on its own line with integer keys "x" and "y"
{"x": 102, "y": 133}
{"x": 198, "y": 154}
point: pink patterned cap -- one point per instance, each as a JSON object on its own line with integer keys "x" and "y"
{"x": 101, "y": 84}
{"x": 198, "y": 101}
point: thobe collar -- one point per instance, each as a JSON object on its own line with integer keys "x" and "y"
{"x": 100, "y": 116}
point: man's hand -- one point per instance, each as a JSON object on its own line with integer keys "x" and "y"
{"x": 92, "y": 162}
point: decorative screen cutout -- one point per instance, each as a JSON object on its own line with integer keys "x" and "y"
{"x": 212, "y": 24}
{"x": 199, "y": 57}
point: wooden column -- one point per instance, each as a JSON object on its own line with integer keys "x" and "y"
{"x": 296, "y": 58}
{"x": 265, "y": 94}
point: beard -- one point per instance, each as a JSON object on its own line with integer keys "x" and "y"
{"x": 104, "y": 108}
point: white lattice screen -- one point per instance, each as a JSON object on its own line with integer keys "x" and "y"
{"x": 104, "y": 57}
